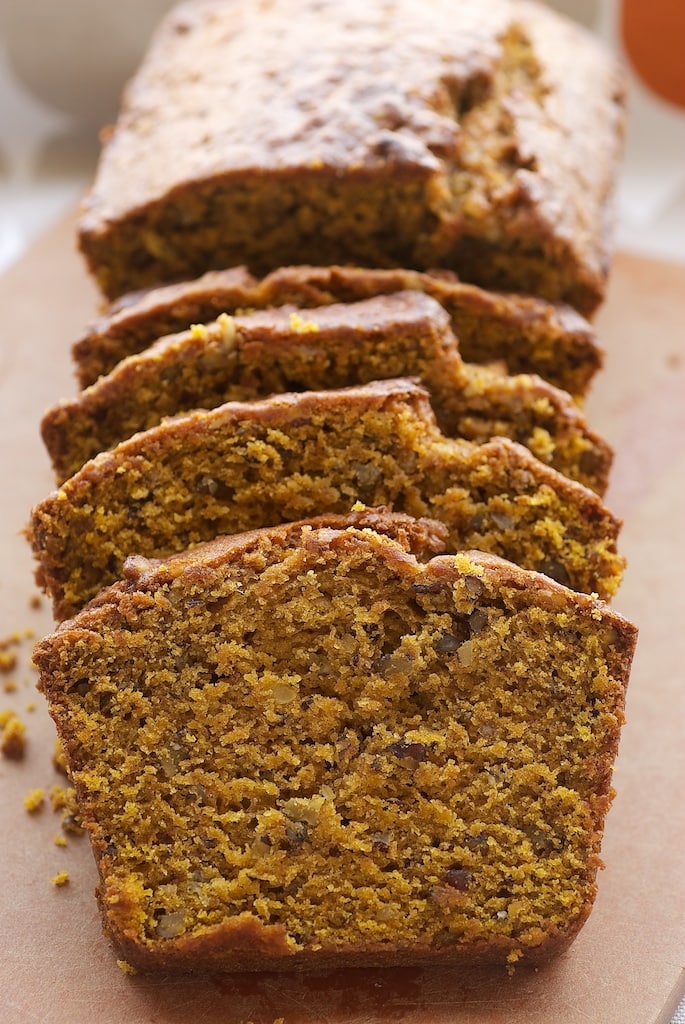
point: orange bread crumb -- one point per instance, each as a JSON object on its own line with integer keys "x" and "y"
{"x": 34, "y": 800}
{"x": 13, "y": 738}
{"x": 8, "y": 661}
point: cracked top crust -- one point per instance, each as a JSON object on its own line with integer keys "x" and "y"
{"x": 502, "y": 120}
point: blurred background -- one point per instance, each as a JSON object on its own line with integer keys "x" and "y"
{"x": 63, "y": 64}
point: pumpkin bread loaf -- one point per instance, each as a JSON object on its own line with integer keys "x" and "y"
{"x": 249, "y": 357}
{"x": 246, "y": 465}
{"x": 309, "y": 747}
{"x": 527, "y": 334}
{"x": 482, "y": 138}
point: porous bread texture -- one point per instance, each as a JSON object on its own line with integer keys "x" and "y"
{"x": 413, "y": 134}
{"x": 305, "y": 747}
{"x": 246, "y": 465}
{"x": 526, "y": 333}
{"x": 248, "y": 357}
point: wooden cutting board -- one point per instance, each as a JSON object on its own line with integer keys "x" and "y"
{"x": 626, "y": 967}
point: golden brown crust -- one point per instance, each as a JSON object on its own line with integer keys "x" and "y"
{"x": 249, "y": 357}
{"x": 528, "y": 334}
{"x": 250, "y": 946}
{"x": 245, "y": 465}
{"x": 422, "y": 538}
{"x": 458, "y": 117}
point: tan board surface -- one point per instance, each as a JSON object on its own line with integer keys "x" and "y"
{"x": 626, "y": 967}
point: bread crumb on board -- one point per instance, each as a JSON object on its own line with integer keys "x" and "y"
{"x": 13, "y": 736}
{"x": 8, "y": 661}
{"x": 63, "y": 798}
{"x": 12, "y": 730}
{"x": 34, "y": 800}
{"x": 14, "y": 639}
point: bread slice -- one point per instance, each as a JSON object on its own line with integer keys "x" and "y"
{"x": 483, "y": 138}
{"x": 248, "y": 357}
{"x": 527, "y": 334}
{"x": 310, "y": 747}
{"x": 246, "y": 465}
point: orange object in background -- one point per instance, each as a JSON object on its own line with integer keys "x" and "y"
{"x": 653, "y": 33}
